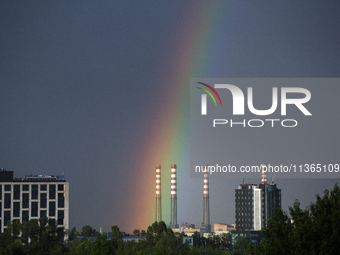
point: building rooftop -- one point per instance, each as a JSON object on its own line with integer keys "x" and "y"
{"x": 7, "y": 176}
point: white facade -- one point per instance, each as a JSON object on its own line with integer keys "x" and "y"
{"x": 257, "y": 209}
{"x": 26, "y": 200}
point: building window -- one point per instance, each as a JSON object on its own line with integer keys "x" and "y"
{"x": 43, "y": 213}
{"x": 25, "y": 187}
{"x": 25, "y": 200}
{"x": 16, "y": 209}
{"x": 34, "y": 209}
{"x": 25, "y": 215}
{"x": 51, "y": 211}
{"x": 43, "y": 200}
{"x": 61, "y": 200}
{"x": 7, "y": 187}
{"x": 7, "y": 217}
{"x": 16, "y": 194}
{"x": 60, "y": 187}
{"x": 43, "y": 187}
{"x": 60, "y": 217}
{"x": 0, "y": 191}
{"x": 34, "y": 191}
{"x": 52, "y": 191}
{"x": 7, "y": 203}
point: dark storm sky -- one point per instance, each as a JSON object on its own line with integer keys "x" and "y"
{"x": 79, "y": 79}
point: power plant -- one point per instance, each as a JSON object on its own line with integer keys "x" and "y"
{"x": 254, "y": 204}
{"x": 158, "y": 194}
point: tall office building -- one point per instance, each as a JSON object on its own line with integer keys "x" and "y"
{"x": 250, "y": 205}
{"x": 33, "y": 197}
{"x": 253, "y": 205}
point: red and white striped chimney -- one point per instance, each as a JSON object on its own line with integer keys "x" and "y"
{"x": 173, "y": 195}
{"x": 206, "y": 211}
{"x": 158, "y": 194}
{"x": 264, "y": 173}
{"x": 206, "y": 184}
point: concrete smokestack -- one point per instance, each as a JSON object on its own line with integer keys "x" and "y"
{"x": 173, "y": 223}
{"x": 264, "y": 173}
{"x": 264, "y": 182}
{"x": 158, "y": 194}
{"x": 206, "y": 210}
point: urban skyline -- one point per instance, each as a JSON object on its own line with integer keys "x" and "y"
{"x": 15, "y": 186}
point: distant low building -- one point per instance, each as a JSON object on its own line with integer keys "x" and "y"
{"x": 254, "y": 236}
{"x": 187, "y": 231}
{"x": 133, "y": 238}
{"x": 220, "y": 228}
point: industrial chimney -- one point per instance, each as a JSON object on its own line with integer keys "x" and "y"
{"x": 264, "y": 183}
{"x": 158, "y": 194}
{"x": 264, "y": 173}
{"x": 173, "y": 223}
{"x": 206, "y": 211}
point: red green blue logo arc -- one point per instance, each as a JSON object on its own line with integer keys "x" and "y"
{"x": 209, "y": 93}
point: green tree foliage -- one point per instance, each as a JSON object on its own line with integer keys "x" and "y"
{"x": 73, "y": 233}
{"x": 43, "y": 237}
{"x": 98, "y": 245}
{"x": 37, "y": 237}
{"x": 315, "y": 230}
{"x": 241, "y": 246}
{"x": 136, "y": 232}
{"x": 116, "y": 237}
{"x": 88, "y": 231}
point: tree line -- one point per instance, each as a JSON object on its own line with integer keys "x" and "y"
{"x": 313, "y": 230}
{"x": 43, "y": 237}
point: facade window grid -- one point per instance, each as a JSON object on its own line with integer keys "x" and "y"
{"x": 245, "y": 206}
{"x": 21, "y": 201}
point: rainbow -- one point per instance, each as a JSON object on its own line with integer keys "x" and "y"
{"x": 167, "y": 142}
